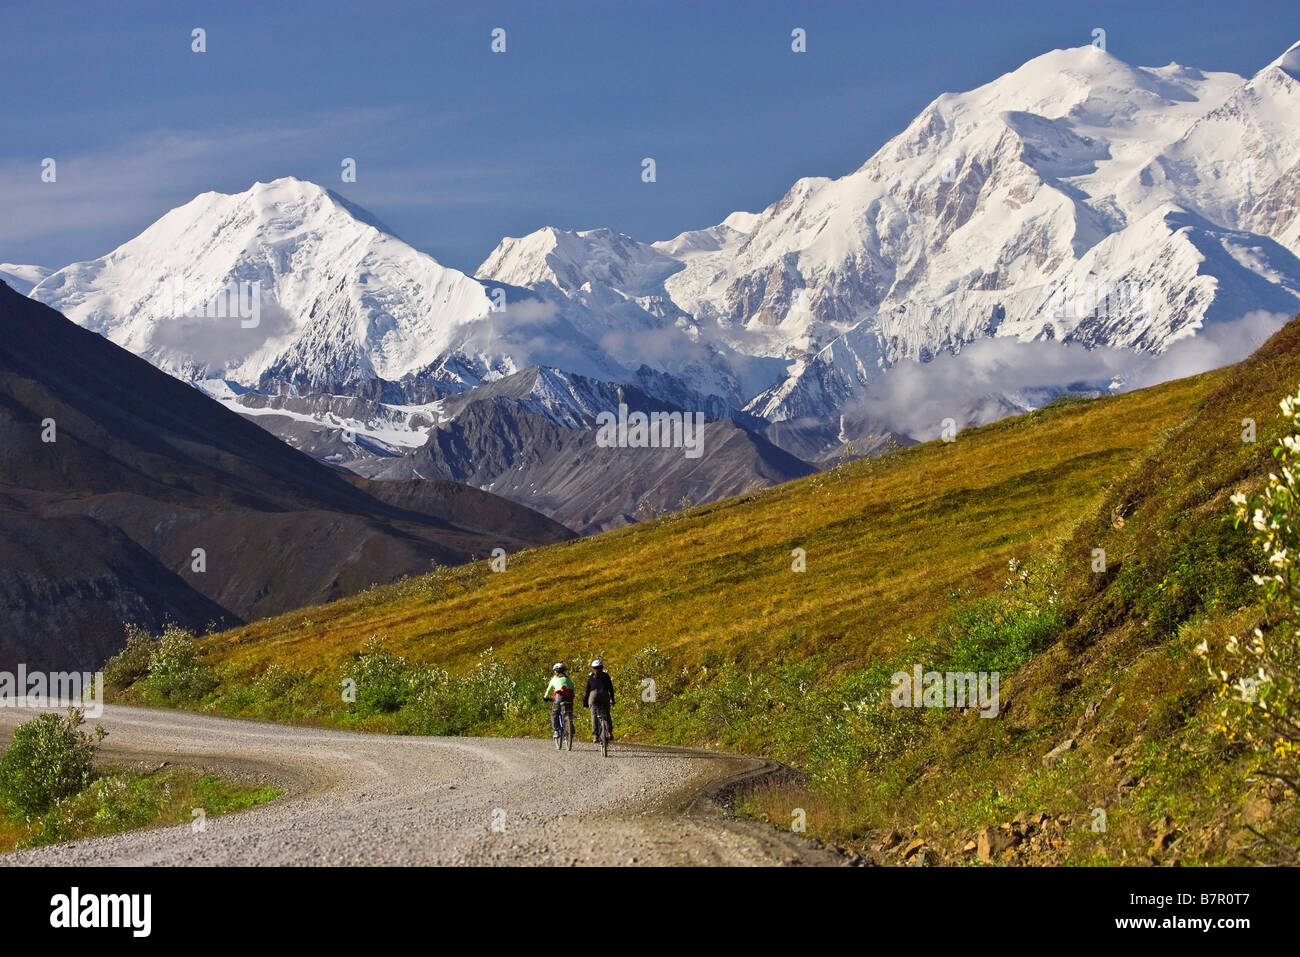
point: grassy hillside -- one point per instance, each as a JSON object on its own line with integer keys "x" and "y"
{"x": 886, "y": 541}
{"x": 971, "y": 555}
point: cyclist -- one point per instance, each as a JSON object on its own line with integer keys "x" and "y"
{"x": 560, "y": 694}
{"x": 599, "y": 697}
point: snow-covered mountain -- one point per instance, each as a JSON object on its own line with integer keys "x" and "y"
{"x": 22, "y": 279}
{"x": 612, "y": 289}
{"x": 1077, "y": 201}
{"x": 356, "y": 431}
{"x": 341, "y": 304}
{"x": 338, "y": 298}
{"x": 1077, "y": 198}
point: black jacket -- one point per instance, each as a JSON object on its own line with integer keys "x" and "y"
{"x": 598, "y": 681}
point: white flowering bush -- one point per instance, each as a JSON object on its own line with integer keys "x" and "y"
{"x": 489, "y": 689}
{"x": 1259, "y": 674}
{"x": 384, "y": 681}
{"x": 48, "y": 759}
{"x": 177, "y": 672}
{"x": 443, "y": 703}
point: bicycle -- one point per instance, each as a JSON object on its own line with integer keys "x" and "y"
{"x": 565, "y": 728}
{"x": 604, "y": 733}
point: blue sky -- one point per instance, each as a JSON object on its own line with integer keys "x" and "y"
{"x": 456, "y": 146}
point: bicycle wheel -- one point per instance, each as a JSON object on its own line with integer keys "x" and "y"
{"x": 568, "y": 723}
{"x": 604, "y": 737}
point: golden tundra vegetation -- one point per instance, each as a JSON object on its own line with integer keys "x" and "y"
{"x": 974, "y": 555}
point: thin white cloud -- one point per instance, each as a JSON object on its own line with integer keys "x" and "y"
{"x": 119, "y": 189}
{"x": 1218, "y": 344}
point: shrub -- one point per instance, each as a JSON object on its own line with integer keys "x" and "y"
{"x": 131, "y": 664}
{"x": 488, "y": 691}
{"x": 275, "y": 683}
{"x": 48, "y": 759}
{"x": 432, "y": 709}
{"x": 650, "y": 663}
{"x": 1001, "y": 632}
{"x": 177, "y": 674}
{"x": 1259, "y": 675}
{"x": 384, "y": 681}
{"x": 442, "y": 703}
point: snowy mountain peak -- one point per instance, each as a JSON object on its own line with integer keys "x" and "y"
{"x": 22, "y": 278}
{"x": 289, "y": 193}
{"x": 741, "y": 221}
{"x": 338, "y": 299}
{"x": 568, "y": 259}
{"x": 1073, "y": 172}
{"x": 1289, "y": 62}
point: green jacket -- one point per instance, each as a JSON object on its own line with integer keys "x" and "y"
{"x": 561, "y": 685}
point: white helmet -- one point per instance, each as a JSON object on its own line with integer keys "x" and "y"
{"x": 558, "y": 666}
{"x": 598, "y": 663}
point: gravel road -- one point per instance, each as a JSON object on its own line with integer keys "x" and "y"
{"x": 363, "y": 799}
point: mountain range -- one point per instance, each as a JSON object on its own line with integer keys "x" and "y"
{"x": 1077, "y": 206}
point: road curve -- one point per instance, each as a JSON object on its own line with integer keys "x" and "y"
{"x": 371, "y": 799}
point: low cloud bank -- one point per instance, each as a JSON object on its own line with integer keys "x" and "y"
{"x": 992, "y": 378}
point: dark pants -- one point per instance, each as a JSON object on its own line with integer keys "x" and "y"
{"x": 560, "y": 706}
{"x": 599, "y": 705}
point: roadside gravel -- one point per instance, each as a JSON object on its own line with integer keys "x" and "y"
{"x": 369, "y": 799}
